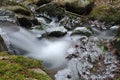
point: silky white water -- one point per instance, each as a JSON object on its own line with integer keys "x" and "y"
{"x": 52, "y": 53}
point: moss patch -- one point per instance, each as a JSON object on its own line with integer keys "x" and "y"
{"x": 109, "y": 15}
{"x": 18, "y": 68}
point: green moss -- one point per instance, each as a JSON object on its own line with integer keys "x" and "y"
{"x": 106, "y": 14}
{"x": 29, "y": 63}
{"x": 7, "y": 2}
{"x": 18, "y": 68}
{"x": 15, "y": 7}
{"x": 20, "y": 10}
{"x": 101, "y": 46}
{"x": 118, "y": 79}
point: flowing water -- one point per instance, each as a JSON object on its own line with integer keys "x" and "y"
{"x": 79, "y": 54}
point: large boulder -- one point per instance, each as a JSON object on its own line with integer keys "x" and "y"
{"x": 76, "y": 6}
{"x": 24, "y": 15}
{"x": 52, "y": 10}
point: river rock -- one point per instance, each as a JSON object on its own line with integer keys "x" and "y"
{"x": 24, "y": 15}
{"x": 71, "y": 21}
{"x": 76, "y": 6}
{"x": 53, "y": 10}
{"x": 82, "y": 31}
{"x": 49, "y": 31}
{"x": 56, "y": 31}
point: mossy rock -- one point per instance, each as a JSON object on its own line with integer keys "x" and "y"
{"x": 25, "y": 17}
{"x": 72, "y": 20}
{"x": 106, "y": 14}
{"x": 19, "y": 68}
{"x": 53, "y": 10}
{"x": 35, "y": 2}
{"x": 76, "y": 6}
{"x": 4, "y": 3}
{"x": 19, "y": 9}
{"x": 21, "y": 12}
{"x": 82, "y": 31}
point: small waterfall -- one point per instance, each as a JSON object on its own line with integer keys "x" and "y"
{"x": 51, "y": 52}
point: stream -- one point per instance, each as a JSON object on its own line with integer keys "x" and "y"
{"x": 76, "y": 57}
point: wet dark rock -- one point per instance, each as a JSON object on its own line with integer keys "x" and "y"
{"x": 3, "y": 46}
{"x": 79, "y": 10}
{"x": 53, "y": 10}
{"x": 57, "y": 34}
{"x": 45, "y": 31}
{"x": 34, "y": 2}
{"x": 24, "y": 22}
{"x": 41, "y": 2}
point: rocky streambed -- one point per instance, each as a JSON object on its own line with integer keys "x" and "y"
{"x": 71, "y": 46}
